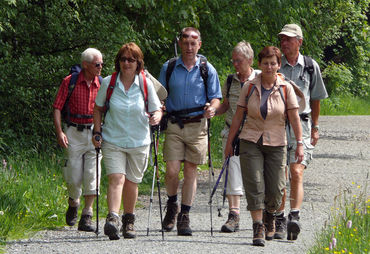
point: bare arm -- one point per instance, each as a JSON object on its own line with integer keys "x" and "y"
{"x": 297, "y": 128}
{"x": 61, "y": 137}
{"x": 235, "y": 125}
{"x": 315, "y": 113}
{"x": 210, "y": 110}
{"x": 223, "y": 107}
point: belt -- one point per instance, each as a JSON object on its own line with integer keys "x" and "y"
{"x": 304, "y": 117}
{"x": 80, "y": 127}
{"x": 196, "y": 119}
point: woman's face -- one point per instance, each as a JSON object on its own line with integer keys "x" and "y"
{"x": 241, "y": 63}
{"x": 269, "y": 65}
{"x": 128, "y": 64}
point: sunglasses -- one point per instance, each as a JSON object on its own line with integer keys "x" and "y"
{"x": 185, "y": 36}
{"x": 128, "y": 59}
{"x": 97, "y": 65}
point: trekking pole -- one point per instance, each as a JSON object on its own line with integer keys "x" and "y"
{"x": 225, "y": 166}
{"x": 157, "y": 174}
{"x": 225, "y": 184}
{"x": 151, "y": 194}
{"x": 97, "y": 149}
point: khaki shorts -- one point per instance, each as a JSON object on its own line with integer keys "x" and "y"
{"x": 79, "y": 171}
{"x": 187, "y": 144}
{"x": 131, "y": 162}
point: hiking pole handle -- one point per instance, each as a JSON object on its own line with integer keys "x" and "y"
{"x": 97, "y": 138}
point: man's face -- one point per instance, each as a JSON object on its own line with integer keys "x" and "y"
{"x": 95, "y": 67}
{"x": 190, "y": 45}
{"x": 290, "y": 45}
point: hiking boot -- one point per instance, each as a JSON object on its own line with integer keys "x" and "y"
{"x": 170, "y": 218}
{"x": 232, "y": 223}
{"x": 85, "y": 223}
{"x": 269, "y": 221}
{"x": 183, "y": 224}
{"x": 111, "y": 227}
{"x": 258, "y": 234}
{"x": 280, "y": 227}
{"x": 294, "y": 227}
{"x": 71, "y": 215}
{"x": 127, "y": 229}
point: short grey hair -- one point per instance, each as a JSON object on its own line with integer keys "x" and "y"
{"x": 89, "y": 54}
{"x": 245, "y": 49}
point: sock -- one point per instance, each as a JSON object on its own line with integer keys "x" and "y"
{"x": 114, "y": 213}
{"x": 87, "y": 211}
{"x": 294, "y": 210}
{"x": 172, "y": 199}
{"x": 235, "y": 210}
{"x": 279, "y": 214}
{"x": 258, "y": 221}
{"x": 185, "y": 208}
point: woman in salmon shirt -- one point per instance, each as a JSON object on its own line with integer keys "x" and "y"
{"x": 263, "y": 140}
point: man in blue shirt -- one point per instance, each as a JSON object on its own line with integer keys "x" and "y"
{"x": 186, "y": 134}
{"x": 313, "y": 88}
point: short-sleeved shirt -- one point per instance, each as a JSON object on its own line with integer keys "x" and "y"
{"x": 272, "y": 129}
{"x": 82, "y": 99}
{"x": 187, "y": 89}
{"x": 127, "y": 123}
{"x": 234, "y": 93}
{"x": 294, "y": 73}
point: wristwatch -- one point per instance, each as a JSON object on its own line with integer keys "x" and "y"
{"x": 315, "y": 127}
{"x": 299, "y": 142}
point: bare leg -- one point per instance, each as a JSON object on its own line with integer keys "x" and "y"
{"x": 115, "y": 187}
{"x": 189, "y": 187}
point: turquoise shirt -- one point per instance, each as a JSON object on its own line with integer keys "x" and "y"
{"x": 127, "y": 123}
{"x": 294, "y": 74}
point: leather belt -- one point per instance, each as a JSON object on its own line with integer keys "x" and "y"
{"x": 80, "y": 127}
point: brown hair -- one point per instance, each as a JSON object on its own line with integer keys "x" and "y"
{"x": 191, "y": 29}
{"x": 135, "y": 51}
{"x": 269, "y": 51}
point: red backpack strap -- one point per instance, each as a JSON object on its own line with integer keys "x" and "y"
{"x": 144, "y": 89}
{"x": 110, "y": 89}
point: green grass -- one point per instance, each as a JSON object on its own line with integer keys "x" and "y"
{"x": 345, "y": 105}
{"x": 349, "y": 225}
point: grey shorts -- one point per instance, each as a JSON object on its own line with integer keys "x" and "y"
{"x": 263, "y": 171}
{"x": 308, "y": 148}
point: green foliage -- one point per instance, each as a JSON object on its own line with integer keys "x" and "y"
{"x": 348, "y": 229}
{"x": 35, "y": 54}
{"x": 338, "y": 78}
{"x": 345, "y": 105}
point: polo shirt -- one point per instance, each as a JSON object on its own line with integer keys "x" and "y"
{"x": 272, "y": 129}
{"x": 187, "y": 89}
{"x": 126, "y": 123}
{"x": 294, "y": 73}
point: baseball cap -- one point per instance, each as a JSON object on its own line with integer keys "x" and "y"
{"x": 291, "y": 30}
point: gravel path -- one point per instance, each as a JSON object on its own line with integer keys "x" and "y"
{"x": 341, "y": 161}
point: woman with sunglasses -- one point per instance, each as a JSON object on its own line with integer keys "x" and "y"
{"x": 125, "y": 136}
{"x": 242, "y": 60}
{"x": 263, "y": 140}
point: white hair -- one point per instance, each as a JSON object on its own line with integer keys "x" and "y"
{"x": 245, "y": 49}
{"x": 89, "y": 54}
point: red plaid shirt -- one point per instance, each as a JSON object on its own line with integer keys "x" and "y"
{"x": 82, "y": 100}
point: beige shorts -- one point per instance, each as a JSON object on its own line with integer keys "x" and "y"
{"x": 131, "y": 162}
{"x": 187, "y": 144}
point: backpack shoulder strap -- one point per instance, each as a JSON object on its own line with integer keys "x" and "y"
{"x": 170, "y": 68}
{"x": 228, "y": 84}
{"x": 283, "y": 94}
{"x": 204, "y": 72}
{"x": 249, "y": 93}
{"x": 110, "y": 89}
{"x": 144, "y": 88}
{"x": 308, "y": 66}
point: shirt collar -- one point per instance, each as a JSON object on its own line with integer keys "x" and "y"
{"x": 300, "y": 60}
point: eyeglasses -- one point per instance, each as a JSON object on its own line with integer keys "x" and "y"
{"x": 128, "y": 59}
{"x": 185, "y": 36}
{"x": 236, "y": 61}
{"x": 97, "y": 65}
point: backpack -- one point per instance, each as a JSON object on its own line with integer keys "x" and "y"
{"x": 228, "y": 84}
{"x": 203, "y": 71}
{"x": 308, "y": 66}
{"x": 112, "y": 84}
{"x": 66, "y": 114}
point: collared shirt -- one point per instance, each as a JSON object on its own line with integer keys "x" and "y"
{"x": 187, "y": 88}
{"x": 272, "y": 129}
{"x": 127, "y": 123}
{"x": 234, "y": 92}
{"x": 82, "y": 99}
{"x": 294, "y": 73}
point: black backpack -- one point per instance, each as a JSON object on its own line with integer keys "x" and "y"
{"x": 66, "y": 114}
{"x": 308, "y": 66}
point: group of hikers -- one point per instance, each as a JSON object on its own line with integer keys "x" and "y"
{"x": 115, "y": 114}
